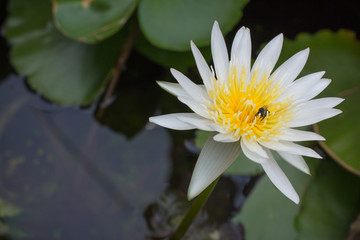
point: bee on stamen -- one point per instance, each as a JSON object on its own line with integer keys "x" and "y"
{"x": 263, "y": 112}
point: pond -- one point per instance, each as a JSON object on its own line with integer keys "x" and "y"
{"x": 101, "y": 170}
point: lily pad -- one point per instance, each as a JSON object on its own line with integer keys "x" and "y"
{"x": 172, "y": 24}
{"x": 62, "y": 70}
{"x": 330, "y": 204}
{"x": 268, "y": 209}
{"x": 339, "y": 55}
{"x": 91, "y": 21}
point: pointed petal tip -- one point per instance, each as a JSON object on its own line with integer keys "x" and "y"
{"x": 216, "y": 29}
{"x": 279, "y": 37}
{"x": 304, "y": 53}
{"x": 191, "y": 194}
{"x": 295, "y": 199}
{"x": 161, "y": 83}
{"x": 321, "y": 138}
{"x": 173, "y": 71}
{"x": 316, "y": 155}
{"x": 306, "y": 170}
{"x": 150, "y": 119}
{"x": 337, "y": 112}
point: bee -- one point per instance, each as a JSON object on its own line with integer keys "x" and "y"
{"x": 263, "y": 112}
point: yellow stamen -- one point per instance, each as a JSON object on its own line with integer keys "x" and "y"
{"x": 235, "y": 105}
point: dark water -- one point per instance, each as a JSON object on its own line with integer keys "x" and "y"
{"x": 73, "y": 178}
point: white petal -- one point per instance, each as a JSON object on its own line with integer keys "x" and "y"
{"x": 236, "y": 41}
{"x": 254, "y": 156}
{"x": 219, "y": 53}
{"x": 202, "y": 66}
{"x": 214, "y": 159}
{"x": 328, "y": 102}
{"x": 290, "y": 69}
{"x": 301, "y": 86}
{"x": 226, "y": 137}
{"x": 279, "y": 179}
{"x": 295, "y": 160}
{"x": 171, "y": 121}
{"x": 253, "y": 146}
{"x": 268, "y": 56}
{"x": 242, "y": 55}
{"x": 194, "y": 91}
{"x": 218, "y": 128}
{"x": 311, "y": 116}
{"x": 195, "y": 106}
{"x": 298, "y": 135}
{"x": 173, "y": 88}
{"x": 290, "y": 147}
{"x": 197, "y": 121}
{"x": 316, "y": 89}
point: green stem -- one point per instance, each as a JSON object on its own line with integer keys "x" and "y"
{"x": 193, "y": 211}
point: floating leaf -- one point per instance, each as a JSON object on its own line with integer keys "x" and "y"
{"x": 64, "y": 71}
{"x": 172, "y": 24}
{"x": 267, "y": 213}
{"x": 329, "y": 205}
{"x": 89, "y": 20}
{"x": 339, "y": 55}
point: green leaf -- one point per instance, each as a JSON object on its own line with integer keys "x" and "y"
{"x": 91, "y": 21}
{"x": 339, "y": 55}
{"x": 267, "y": 213}
{"x": 342, "y": 134}
{"x": 330, "y": 204}
{"x": 62, "y": 70}
{"x": 172, "y": 24}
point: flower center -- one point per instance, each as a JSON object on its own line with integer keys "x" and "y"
{"x": 248, "y": 107}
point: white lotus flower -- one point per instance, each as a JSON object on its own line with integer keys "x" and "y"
{"x": 249, "y": 109}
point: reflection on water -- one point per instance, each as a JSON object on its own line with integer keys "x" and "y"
{"x": 71, "y": 177}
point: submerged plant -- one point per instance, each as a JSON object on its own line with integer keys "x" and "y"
{"x": 249, "y": 109}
